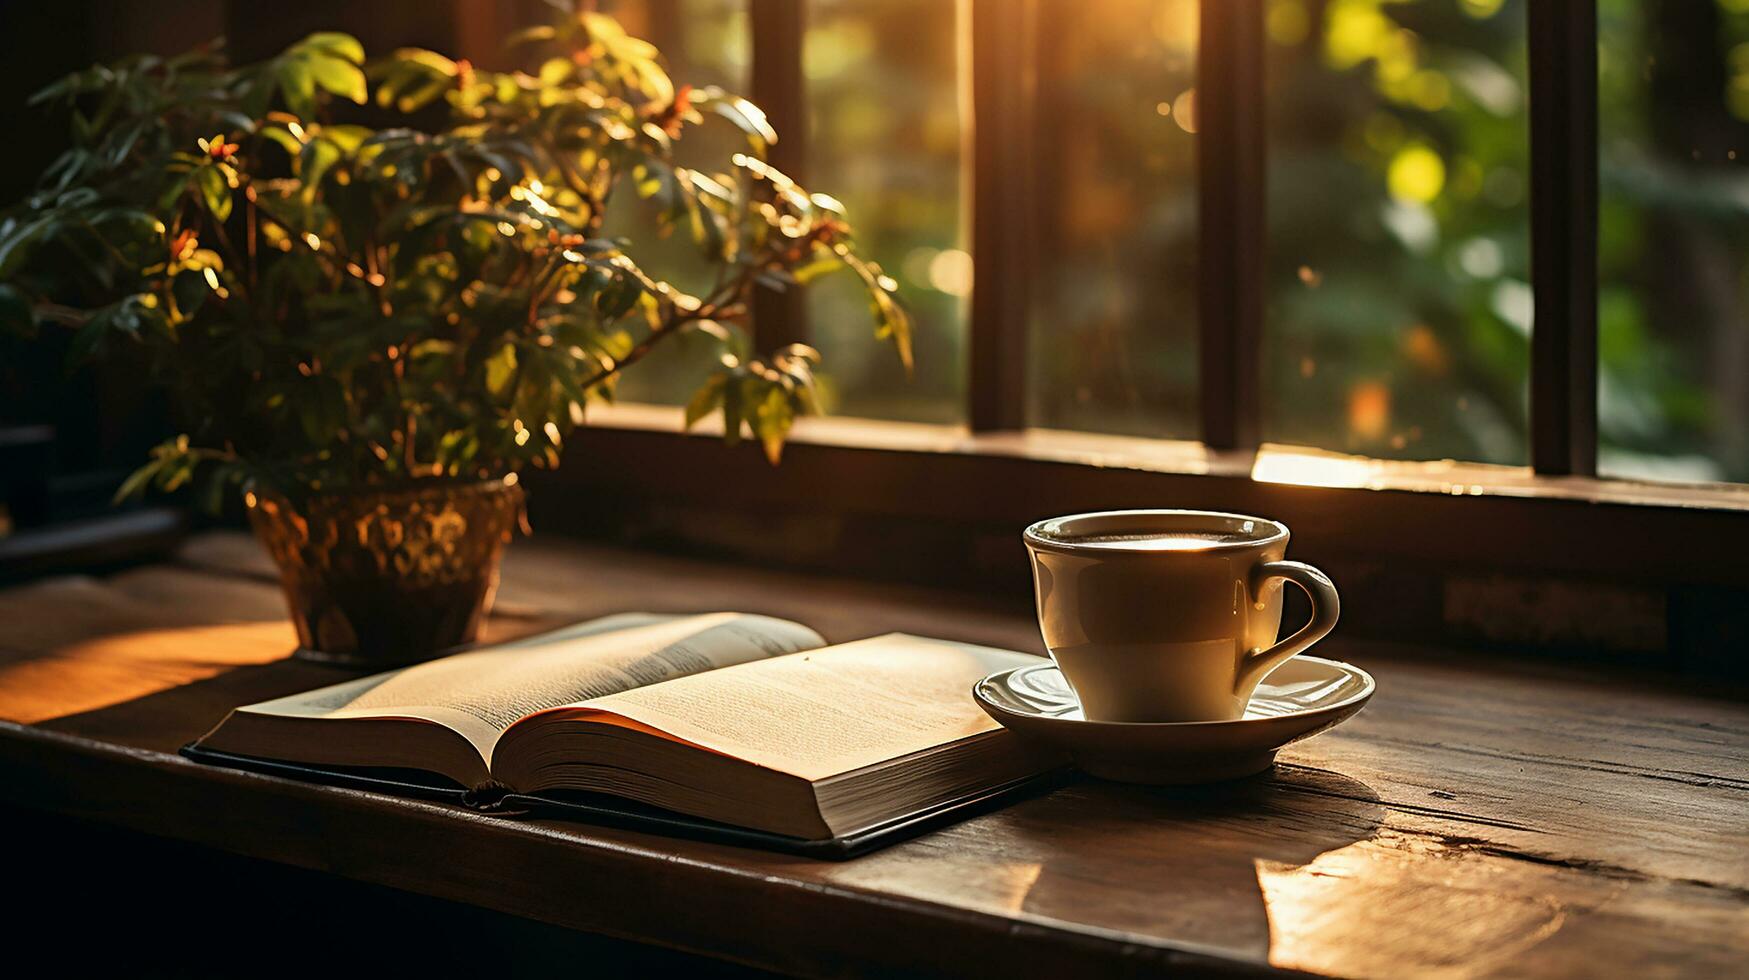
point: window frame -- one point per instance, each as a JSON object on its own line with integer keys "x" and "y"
{"x": 1232, "y": 191}
{"x": 1553, "y": 517}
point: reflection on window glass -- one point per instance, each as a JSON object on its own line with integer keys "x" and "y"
{"x": 1113, "y": 342}
{"x": 1673, "y": 343}
{"x": 884, "y": 138}
{"x": 1400, "y": 305}
{"x": 703, "y": 42}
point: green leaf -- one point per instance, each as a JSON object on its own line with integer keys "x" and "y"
{"x": 535, "y": 394}
{"x": 617, "y": 298}
{"x": 412, "y": 78}
{"x": 824, "y": 262}
{"x": 556, "y": 71}
{"x": 653, "y": 81}
{"x": 131, "y": 315}
{"x": 390, "y": 78}
{"x": 635, "y": 54}
{"x": 17, "y": 243}
{"x": 531, "y": 35}
{"x": 297, "y": 83}
{"x": 747, "y": 117}
{"x": 215, "y": 192}
{"x": 772, "y": 422}
{"x": 457, "y": 448}
{"x": 342, "y": 78}
{"x": 137, "y": 482}
{"x": 705, "y": 401}
{"x": 602, "y": 28}
{"x": 501, "y": 370}
{"x": 283, "y": 136}
{"x": 347, "y": 138}
{"x": 191, "y": 290}
{"x": 894, "y": 325}
{"x": 343, "y": 46}
{"x": 430, "y": 60}
{"x": 422, "y": 94}
{"x": 176, "y": 472}
{"x": 318, "y": 157}
{"x": 257, "y": 94}
{"x": 434, "y": 347}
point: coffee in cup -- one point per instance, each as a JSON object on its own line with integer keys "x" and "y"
{"x": 1169, "y": 615}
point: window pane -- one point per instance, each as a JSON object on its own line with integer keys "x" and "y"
{"x": 1113, "y": 342}
{"x": 1399, "y": 305}
{"x": 703, "y": 42}
{"x": 1673, "y": 393}
{"x": 884, "y": 138}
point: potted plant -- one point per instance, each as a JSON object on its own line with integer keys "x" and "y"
{"x": 378, "y": 290}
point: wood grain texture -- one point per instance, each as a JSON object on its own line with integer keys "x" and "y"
{"x": 1480, "y": 818}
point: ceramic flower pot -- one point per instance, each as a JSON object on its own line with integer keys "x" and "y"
{"x": 383, "y": 577}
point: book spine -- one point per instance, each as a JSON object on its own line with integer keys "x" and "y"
{"x": 488, "y": 797}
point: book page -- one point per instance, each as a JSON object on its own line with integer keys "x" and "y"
{"x": 829, "y": 711}
{"x": 480, "y": 694}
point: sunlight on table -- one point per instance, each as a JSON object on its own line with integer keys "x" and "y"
{"x": 1345, "y": 912}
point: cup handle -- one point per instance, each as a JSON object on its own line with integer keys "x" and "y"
{"x": 1326, "y": 606}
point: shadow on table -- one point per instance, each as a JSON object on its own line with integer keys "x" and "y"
{"x": 1199, "y": 853}
{"x": 103, "y": 901}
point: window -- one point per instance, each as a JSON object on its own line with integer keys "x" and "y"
{"x": 1673, "y": 310}
{"x": 1112, "y": 336}
{"x": 884, "y": 136}
{"x": 1409, "y": 290}
{"x": 1399, "y": 283}
{"x": 705, "y": 42}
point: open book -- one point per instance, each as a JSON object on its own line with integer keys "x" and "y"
{"x": 736, "y": 719}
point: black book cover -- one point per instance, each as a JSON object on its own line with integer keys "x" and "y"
{"x": 611, "y": 811}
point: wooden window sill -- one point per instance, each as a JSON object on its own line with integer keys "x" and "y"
{"x": 1277, "y": 464}
{"x": 1442, "y": 553}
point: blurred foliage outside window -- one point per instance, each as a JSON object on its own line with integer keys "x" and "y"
{"x": 1113, "y": 344}
{"x": 704, "y": 42}
{"x": 1674, "y": 251}
{"x": 1399, "y": 299}
{"x": 883, "y": 103}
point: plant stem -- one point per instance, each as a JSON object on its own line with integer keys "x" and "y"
{"x": 669, "y": 326}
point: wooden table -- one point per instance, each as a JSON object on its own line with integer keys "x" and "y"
{"x": 1481, "y": 817}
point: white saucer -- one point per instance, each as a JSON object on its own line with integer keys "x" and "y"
{"x": 1299, "y": 699}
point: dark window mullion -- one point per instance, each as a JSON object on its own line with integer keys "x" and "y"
{"x": 778, "y": 86}
{"x": 1003, "y": 85}
{"x": 1563, "y": 235}
{"x": 1231, "y": 188}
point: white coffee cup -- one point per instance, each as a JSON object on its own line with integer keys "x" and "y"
{"x": 1169, "y": 615}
